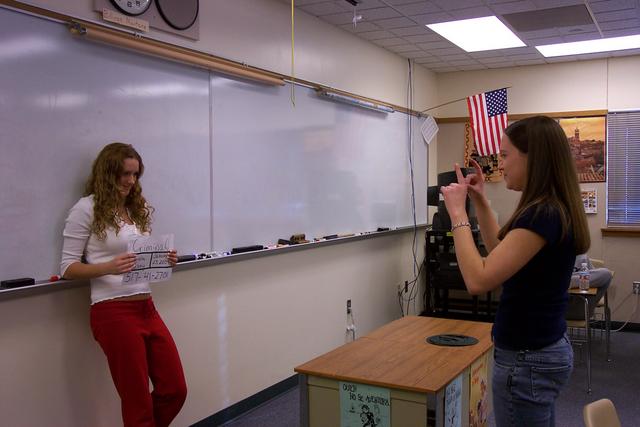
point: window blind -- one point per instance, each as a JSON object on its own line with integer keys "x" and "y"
{"x": 623, "y": 168}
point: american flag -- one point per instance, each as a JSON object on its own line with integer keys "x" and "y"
{"x": 488, "y": 112}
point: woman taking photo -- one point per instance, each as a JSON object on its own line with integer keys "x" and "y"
{"x": 532, "y": 258}
{"x": 124, "y": 321}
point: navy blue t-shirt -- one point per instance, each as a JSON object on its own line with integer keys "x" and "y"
{"x": 534, "y": 300}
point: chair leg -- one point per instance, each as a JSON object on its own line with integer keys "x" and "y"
{"x": 588, "y": 339}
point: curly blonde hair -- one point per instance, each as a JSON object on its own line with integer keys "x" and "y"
{"x": 103, "y": 184}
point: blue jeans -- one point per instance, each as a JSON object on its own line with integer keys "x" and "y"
{"x": 526, "y": 384}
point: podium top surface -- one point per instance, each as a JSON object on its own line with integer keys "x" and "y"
{"x": 398, "y": 356}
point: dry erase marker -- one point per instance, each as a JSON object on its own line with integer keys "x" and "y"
{"x": 55, "y": 278}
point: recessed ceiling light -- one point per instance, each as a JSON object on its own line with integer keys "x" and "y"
{"x": 477, "y": 34}
{"x": 590, "y": 46}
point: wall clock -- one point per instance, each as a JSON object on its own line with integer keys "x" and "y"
{"x": 132, "y": 7}
{"x": 179, "y": 14}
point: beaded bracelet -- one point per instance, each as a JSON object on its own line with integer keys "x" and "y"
{"x": 460, "y": 224}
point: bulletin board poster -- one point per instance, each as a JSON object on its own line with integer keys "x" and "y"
{"x": 364, "y": 406}
{"x": 478, "y": 392}
{"x": 453, "y": 403}
{"x": 590, "y": 200}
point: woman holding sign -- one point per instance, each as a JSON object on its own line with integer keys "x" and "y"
{"x": 532, "y": 258}
{"x": 124, "y": 320}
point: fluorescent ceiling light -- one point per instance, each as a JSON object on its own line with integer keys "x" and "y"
{"x": 590, "y": 46}
{"x": 477, "y": 34}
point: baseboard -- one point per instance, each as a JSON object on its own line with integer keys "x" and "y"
{"x": 248, "y": 404}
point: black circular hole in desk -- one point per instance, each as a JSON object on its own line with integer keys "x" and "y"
{"x": 452, "y": 340}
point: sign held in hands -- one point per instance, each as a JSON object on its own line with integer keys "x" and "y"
{"x": 152, "y": 262}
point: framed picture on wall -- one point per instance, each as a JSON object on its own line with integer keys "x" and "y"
{"x": 590, "y": 200}
{"x": 491, "y": 165}
{"x": 587, "y": 137}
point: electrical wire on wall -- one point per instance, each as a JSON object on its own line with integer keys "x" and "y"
{"x": 412, "y": 285}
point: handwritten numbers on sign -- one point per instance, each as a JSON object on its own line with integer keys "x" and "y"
{"x": 152, "y": 262}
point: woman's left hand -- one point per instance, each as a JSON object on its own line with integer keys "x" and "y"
{"x": 173, "y": 257}
{"x": 455, "y": 197}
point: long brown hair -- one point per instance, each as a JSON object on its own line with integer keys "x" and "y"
{"x": 103, "y": 183}
{"x": 551, "y": 177}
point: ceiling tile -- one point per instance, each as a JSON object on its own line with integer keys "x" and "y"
{"x": 475, "y": 12}
{"x": 493, "y": 60}
{"x": 447, "y": 51}
{"x": 513, "y": 7}
{"x": 424, "y": 38}
{"x": 367, "y": 4}
{"x": 415, "y": 54}
{"x": 338, "y": 18}
{"x": 525, "y": 57}
{"x": 306, "y": 2}
{"x": 361, "y": 27}
{"x": 462, "y": 62}
{"x": 581, "y": 37}
{"x": 608, "y": 5}
{"x": 457, "y": 4}
{"x": 530, "y": 62}
{"x": 472, "y": 67}
{"x": 394, "y": 41}
{"x": 548, "y": 4}
{"x": 566, "y": 31}
{"x": 428, "y": 60}
{"x": 444, "y": 69}
{"x": 433, "y": 18}
{"x": 379, "y": 13}
{"x": 418, "y": 8}
{"x": 456, "y": 57}
{"x": 395, "y": 23}
{"x": 486, "y": 54}
{"x": 436, "y": 45}
{"x": 375, "y": 35}
{"x": 631, "y": 24}
{"x": 411, "y": 31}
{"x": 617, "y": 15}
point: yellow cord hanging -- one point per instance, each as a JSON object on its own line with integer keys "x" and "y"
{"x": 293, "y": 79}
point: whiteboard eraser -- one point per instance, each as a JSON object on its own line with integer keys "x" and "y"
{"x": 17, "y": 283}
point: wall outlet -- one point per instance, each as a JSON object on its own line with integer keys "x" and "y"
{"x": 348, "y": 306}
{"x": 636, "y": 288}
{"x": 406, "y": 286}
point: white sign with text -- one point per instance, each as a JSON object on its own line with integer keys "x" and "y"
{"x": 152, "y": 262}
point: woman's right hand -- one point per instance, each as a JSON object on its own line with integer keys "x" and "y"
{"x": 475, "y": 181}
{"x": 121, "y": 263}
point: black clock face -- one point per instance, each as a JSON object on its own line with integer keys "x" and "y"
{"x": 132, "y": 7}
{"x": 179, "y": 14}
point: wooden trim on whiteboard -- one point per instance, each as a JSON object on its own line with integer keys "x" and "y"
{"x": 556, "y": 114}
{"x": 176, "y": 53}
{"x": 137, "y": 42}
{"x": 621, "y": 231}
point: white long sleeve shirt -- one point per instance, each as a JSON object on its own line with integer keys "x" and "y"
{"x": 79, "y": 241}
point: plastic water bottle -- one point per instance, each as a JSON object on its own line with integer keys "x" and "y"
{"x": 584, "y": 277}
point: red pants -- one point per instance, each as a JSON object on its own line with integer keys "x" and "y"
{"x": 139, "y": 347}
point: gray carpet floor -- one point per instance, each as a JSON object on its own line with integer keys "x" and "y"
{"x": 618, "y": 380}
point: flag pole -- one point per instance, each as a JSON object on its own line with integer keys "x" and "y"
{"x": 456, "y": 100}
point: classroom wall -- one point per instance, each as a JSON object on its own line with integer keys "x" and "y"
{"x": 242, "y": 326}
{"x": 611, "y": 84}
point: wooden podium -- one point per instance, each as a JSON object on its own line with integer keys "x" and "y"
{"x": 397, "y": 357}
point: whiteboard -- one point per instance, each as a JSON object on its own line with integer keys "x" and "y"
{"x": 61, "y": 100}
{"x": 228, "y": 163}
{"x": 318, "y": 168}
